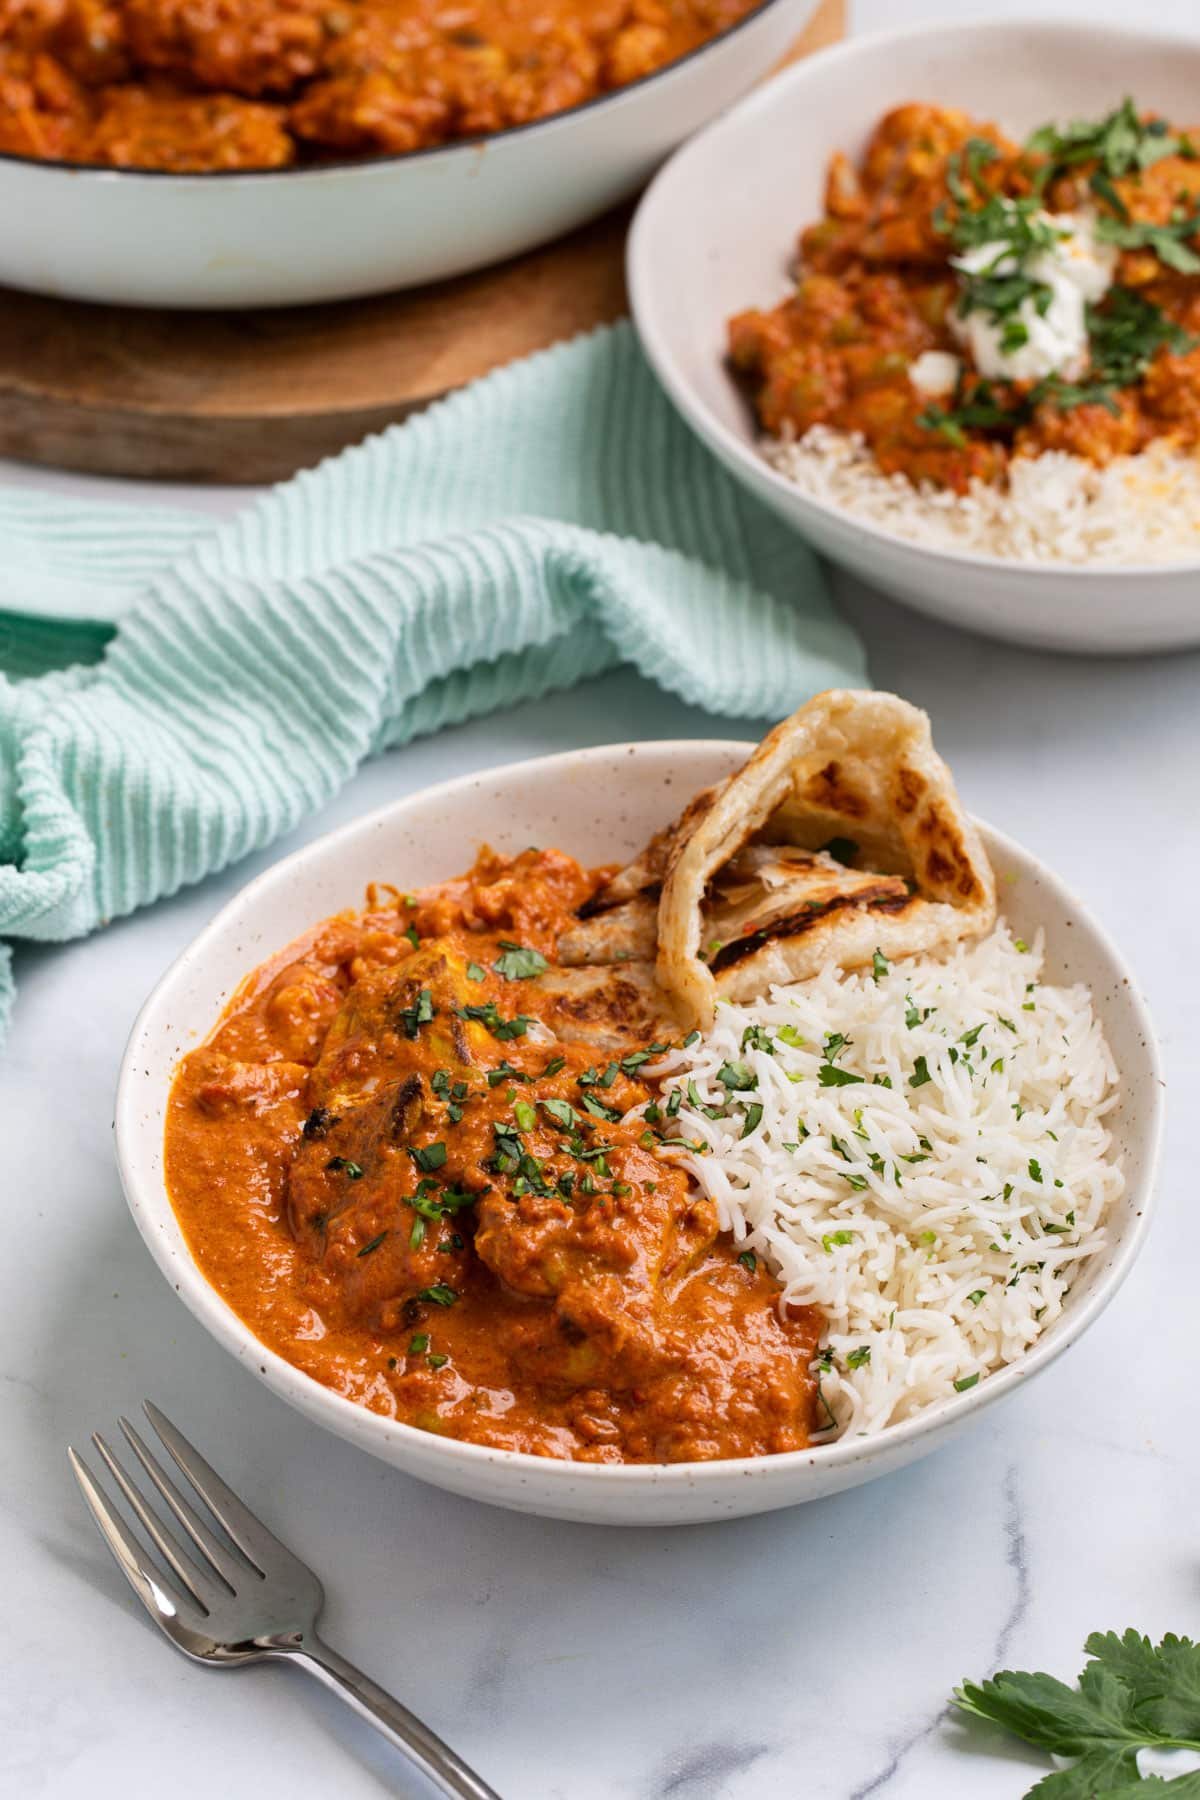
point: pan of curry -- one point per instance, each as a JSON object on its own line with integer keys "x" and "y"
{"x": 397, "y": 1128}
{"x": 283, "y": 152}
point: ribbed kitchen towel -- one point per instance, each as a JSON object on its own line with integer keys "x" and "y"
{"x": 539, "y": 527}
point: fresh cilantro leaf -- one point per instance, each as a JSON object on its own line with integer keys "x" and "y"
{"x": 830, "y": 1076}
{"x": 519, "y": 964}
{"x": 501, "y": 1029}
{"x": 1132, "y": 1695}
{"x": 419, "y": 1013}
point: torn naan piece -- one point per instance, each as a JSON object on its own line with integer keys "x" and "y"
{"x": 753, "y": 896}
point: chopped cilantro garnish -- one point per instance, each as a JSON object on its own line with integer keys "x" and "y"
{"x": 965, "y": 1382}
{"x": 374, "y": 1244}
{"x": 419, "y": 1013}
{"x": 504, "y": 1071}
{"x": 879, "y": 965}
{"x": 520, "y": 964}
{"x": 562, "y": 1112}
{"x": 418, "y": 1344}
{"x": 737, "y": 1076}
{"x": 488, "y": 1015}
{"x": 525, "y": 1115}
{"x": 830, "y": 1076}
{"x": 858, "y": 1359}
{"x": 920, "y": 1074}
{"x": 748, "y": 1260}
{"x": 831, "y": 1238}
{"x": 598, "y": 1110}
{"x": 753, "y": 1118}
{"x": 476, "y": 972}
{"x": 439, "y": 1294}
{"x": 429, "y": 1157}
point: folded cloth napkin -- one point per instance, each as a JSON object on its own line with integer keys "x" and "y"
{"x": 541, "y": 526}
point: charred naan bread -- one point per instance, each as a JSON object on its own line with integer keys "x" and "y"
{"x": 842, "y": 835}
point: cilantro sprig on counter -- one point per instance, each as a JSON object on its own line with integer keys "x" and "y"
{"x": 1132, "y": 1695}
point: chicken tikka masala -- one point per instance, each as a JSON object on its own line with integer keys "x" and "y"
{"x": 198, "y": 85}
{"x": 435, "y": 1153}
{"x": 403, "y": 1157}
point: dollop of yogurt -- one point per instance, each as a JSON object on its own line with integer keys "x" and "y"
{"x": 1078, "y": 271}
{"x": 935, "y": 372}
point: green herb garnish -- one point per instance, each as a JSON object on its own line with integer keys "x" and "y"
{"x": 488, "y": 1015}
{"x": 439, "y": 1294}
{"x": 519, "y": 964}
{"x": 1132, "y": 1695}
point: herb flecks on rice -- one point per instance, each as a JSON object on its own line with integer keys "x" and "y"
{"x": 918, "y": 1150}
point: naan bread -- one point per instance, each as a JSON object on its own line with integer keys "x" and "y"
{"x": 750, "y": 896}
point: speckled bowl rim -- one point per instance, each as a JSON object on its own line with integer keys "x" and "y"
{"x": 149, "y": 1204}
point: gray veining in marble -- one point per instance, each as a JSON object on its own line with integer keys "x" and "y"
{"x": 806, "y": 1654}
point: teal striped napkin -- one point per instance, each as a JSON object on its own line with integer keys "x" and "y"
{"x": 542, "y": 526}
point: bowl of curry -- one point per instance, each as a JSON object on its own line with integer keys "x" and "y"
{"x": 949, "y": 331}
{"x": 551, "y": 1318}
{"x": 288, "y": 151}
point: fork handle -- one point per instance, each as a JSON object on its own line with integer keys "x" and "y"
{"x": 446, "y": 1770}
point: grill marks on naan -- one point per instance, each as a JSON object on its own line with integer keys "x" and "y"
{"x": 741, "y": 892}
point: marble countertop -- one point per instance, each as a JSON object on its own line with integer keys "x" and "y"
{"x": 806, "y": 1652}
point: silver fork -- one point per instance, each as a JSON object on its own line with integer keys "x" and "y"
{"x": 242, "y": 1601}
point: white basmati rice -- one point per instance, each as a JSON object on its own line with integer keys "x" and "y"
{"x": 1054, "y": 508}
{"x": 937, "y": 1210}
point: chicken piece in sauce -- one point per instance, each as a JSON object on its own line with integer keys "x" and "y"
{"x": 465, "y": 1226}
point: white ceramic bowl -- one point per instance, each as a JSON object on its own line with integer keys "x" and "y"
{"x": 290, "y": 236}
{"x": 600, "y": 804}
{"x": 717, "y": 228}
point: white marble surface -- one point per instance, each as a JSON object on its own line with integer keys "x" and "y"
{"x": 809, "y": 1652}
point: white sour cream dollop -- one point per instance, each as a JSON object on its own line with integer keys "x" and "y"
{"x": 935, "y": 372}
{"x": 1078, "y": 270}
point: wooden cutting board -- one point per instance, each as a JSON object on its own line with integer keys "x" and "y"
{"x": 254, "y": 396}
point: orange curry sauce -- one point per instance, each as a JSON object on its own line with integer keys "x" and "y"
{"x": 875, "y": 289}
{"x": 258, "y": 84}
{"x": 405, "y": 1184}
